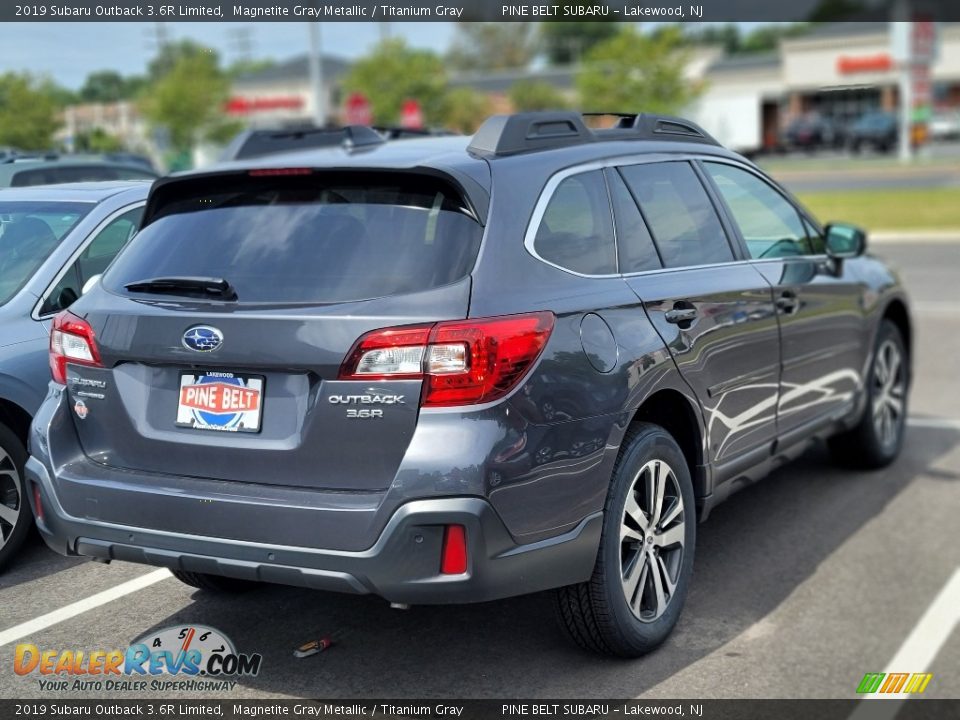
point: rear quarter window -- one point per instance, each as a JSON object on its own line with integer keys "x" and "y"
{"x": 576, "y": 230}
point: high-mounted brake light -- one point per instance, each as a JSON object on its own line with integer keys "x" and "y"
{"x": 279, "y": 172}
{"x": 71, "y": 341}
{"x": 462, "y": 362}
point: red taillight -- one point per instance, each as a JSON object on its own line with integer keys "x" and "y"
{"x": 462, "y": 362}
{"x": 71, "y": 341}
{"x": 453, "y": 560}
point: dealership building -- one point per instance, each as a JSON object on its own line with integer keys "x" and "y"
{"x": 840, "y": 69}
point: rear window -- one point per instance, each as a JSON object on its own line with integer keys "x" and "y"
{"x": 308, "y": 240}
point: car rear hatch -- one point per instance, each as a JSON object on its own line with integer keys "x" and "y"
{"x": 221, "y": 330}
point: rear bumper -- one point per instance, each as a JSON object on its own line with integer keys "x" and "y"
{"x": 401, "y": 566}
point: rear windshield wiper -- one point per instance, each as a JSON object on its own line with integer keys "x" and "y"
{"x": 176, "y": 285}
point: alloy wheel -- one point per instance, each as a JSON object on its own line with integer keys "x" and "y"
{"x": 652, "y": 534}
{"x": 10, "y": 500}
{"x": 889, "y": 391}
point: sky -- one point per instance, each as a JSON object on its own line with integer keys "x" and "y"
{"x": 68, "y": 52}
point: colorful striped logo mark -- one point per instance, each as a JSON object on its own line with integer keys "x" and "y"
{"x": 894, "y": 683}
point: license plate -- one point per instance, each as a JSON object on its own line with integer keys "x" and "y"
{"x": 223, "y": 401}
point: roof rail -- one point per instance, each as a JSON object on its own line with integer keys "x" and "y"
{"x": 503, "y": 135}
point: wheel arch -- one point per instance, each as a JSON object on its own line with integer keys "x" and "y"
{"x": 678, "y": 414}
{"x": 896, "y": 312}
{"x": 15, "y": 418}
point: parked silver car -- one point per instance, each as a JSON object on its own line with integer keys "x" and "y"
{"x": 52, "y": 241}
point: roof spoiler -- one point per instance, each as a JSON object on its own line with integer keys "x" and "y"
{"x": 503, "y": 135}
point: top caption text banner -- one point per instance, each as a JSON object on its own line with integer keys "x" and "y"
{"x": 450, "y": 10}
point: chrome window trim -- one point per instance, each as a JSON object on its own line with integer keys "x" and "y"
{"x": 612, "y": 162}
{"x": 35, "y": 313}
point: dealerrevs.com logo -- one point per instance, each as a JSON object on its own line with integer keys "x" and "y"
{"x": 193, "y": 657}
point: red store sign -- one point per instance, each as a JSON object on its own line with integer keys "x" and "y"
{"x": 848, "y": 65}
{"x": 238, "y": 105}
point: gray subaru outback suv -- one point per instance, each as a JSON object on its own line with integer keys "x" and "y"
{"x": 451, "y": 370}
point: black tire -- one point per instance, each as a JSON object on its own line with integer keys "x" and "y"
{"x": 214, "y": 583}
{"x": 867, "y": 446}
{"x": 13, "y": 495}
{"x": 597, "y": 614}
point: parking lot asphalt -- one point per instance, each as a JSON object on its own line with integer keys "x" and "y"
{"x": 802, "y": 583}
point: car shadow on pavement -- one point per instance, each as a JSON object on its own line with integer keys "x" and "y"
{"x": 751, "y": 554}
{"x": 34, "y": 561}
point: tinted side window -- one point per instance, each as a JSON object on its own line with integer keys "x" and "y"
{"x": 679, "y": 213}
{"x": 634, "y": 244}
{"x": 93, "y": 260}
{"x": 770, "y": 225}
{"x": 576, "y": 231}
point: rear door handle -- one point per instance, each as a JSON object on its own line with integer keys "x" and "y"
{"x": 680, "y": 315}
{"x": 788, "y": 302}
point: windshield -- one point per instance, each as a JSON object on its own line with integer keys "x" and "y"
{"x": 29, "y": 232}
{"x": 307, "y": 241}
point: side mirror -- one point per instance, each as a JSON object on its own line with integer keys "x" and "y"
{"x": 845, "y": 241}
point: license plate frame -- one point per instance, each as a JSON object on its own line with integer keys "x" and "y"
{"x": 220, "y": 401}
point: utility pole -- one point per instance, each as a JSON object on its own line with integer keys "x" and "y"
{"x": 315, "y": 62}
{"x": 902, "y": 50}
{"x": 242, "y": 40}
{"x": 384, "y": 31}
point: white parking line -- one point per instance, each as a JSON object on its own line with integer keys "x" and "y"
{"x": 936, "y": 307}
{"x": 934, "y": 422}
{"x": 30, "y": 627}
{"x": 919, "y": 649}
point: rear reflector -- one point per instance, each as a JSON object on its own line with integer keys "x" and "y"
{"x": 454, "y": 559}
{"x": 462, "y": 362}
{"x": 71, "y": 341}
{"x": 37, "y": 502}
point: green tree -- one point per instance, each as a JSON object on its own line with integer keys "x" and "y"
{"x": 767, "y": 37}
{"x": 536, "y": 95}
{"x": 465, "y": 109}
{"x": 188, "y": 101}
{"x": 726, "y": 35}
{"x": 632, "y": 72}
{"x": 394, "y": 72}
{"x": 488, "y": 46}
{"x": 569, "y": 42}
{"x": 248, "y": 67}
{"x": 171, "y": 53}
{"x": 28, "y": 111}
{"x": 103, "y": 86}
{"x": 97, "y": 141}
